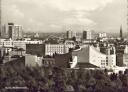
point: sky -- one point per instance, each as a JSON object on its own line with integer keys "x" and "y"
{"x": 62, "y": 15}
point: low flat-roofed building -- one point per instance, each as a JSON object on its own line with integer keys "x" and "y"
{"x": 18, "y": 43}
{"x": 50, "y": 49}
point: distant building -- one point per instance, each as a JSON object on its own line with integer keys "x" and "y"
{"x": 2, "y": 52}
{"x": 90, "y": 55}
{"x": 10, "y": 28}
{"x": 126, "y": 49}
{"x": 17, "y": 43}
{"x": 120, "y": 50}
{"x": 102, "y": 35}
{"x": 4, "y": 32}
{"x": 71, "y": 34}
{"x": 12, "y": 31}
{"x": 48, "y": 62}
{"x": 36, "y": 35}
{"x": 78, "y": 38}
{"x": 63, "y": 60}
{"x": 17, "y": 33}
{"x": 122, "y": 55}
{"x": 87, "y": 35}
{"x": 33, "y": 60}
{"x": 107, "y": 48}
{"x": 119, "y": 59}
{"x": 85, "y": 57}
{"x": 51, "y": 49}
{"x": 35, "y": 49}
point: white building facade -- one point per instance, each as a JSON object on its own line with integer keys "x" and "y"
{"x": 89, "y": 54}
{"x": 33, "y": 60}
{"x": 17, "y": 43}
{"x": 50, "y": 49}
{"x": 102, "y": 35}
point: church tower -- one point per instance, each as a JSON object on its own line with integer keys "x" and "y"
{"x": 121, "y": 32}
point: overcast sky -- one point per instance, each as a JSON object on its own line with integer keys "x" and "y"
{"x": 60, "y": 15}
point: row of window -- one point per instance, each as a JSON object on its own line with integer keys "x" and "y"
{"x": 48, "y": 62}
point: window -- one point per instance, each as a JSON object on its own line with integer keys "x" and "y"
{"x": 43, "y": 62}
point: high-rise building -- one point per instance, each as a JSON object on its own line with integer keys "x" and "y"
{"x": 10, "y": 28}
{"x": 12, "y": 31}
{"x": 4, "y": 32}
{"x": 17, "y": 33}
{"x": 87, "y": 35}
{"x": 71, "y": 34}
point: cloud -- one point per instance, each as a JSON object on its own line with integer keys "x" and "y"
{"x": 12, "y": 13}
{"x": 68, "y": 5}
{"x": 16, "y": 12}
{"x": 53, "y": 14}
{"x": 78, "y": 21}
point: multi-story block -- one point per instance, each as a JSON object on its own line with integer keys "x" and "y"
{"x": 17, "y": 32}
{"x": 120, "y": 50}
{"x": 87, "y": 35}
{"x": 12, "y": 31}
{"x": 4, "y": 32}
{"x": 50, "y": 49}
{"x": 18, "y": 43}
{"x": 35, "y": 49}
{"x": 33, "y": 60}
{"x": 90, "y": 55}
{"x": 71, "y": 34}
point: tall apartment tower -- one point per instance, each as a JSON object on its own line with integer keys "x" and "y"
{"x": 71, "y": 34}
{"x": 4, "y": 32}
{"x": 14, "y": 31}
{"x": 17, "y": 33}
{"x": 10, "y": 28}
{"x": 87, "y": 35}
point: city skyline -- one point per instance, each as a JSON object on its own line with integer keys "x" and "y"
{"x": 60, "y": 15}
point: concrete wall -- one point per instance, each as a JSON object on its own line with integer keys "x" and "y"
{"x": 50, "y": 49}
{"x": 96, "y": 57}
{"x": 30, "y": 60}
{"x": 33, "y": 60}
{"x": 82, "y": 54}
{"x": 74, "y": 62}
